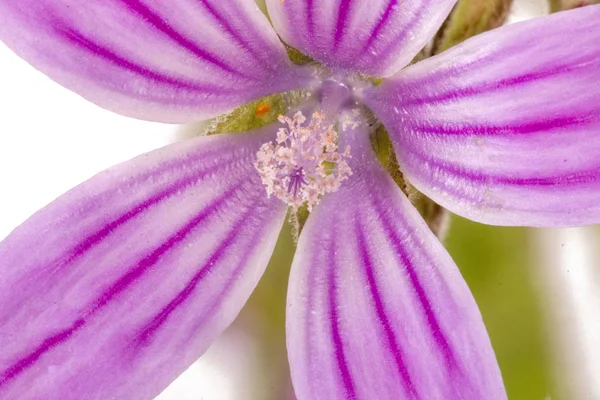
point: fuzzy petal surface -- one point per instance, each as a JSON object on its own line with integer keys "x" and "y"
{"x": 505, "y": 128}
{"x": 375, "y": 37}
{"x": 377, "y": 309}
{"x": 169, "y": 61}
{"x": 115, "y": 288}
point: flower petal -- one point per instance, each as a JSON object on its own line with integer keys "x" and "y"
{"x": 376, "y": 307}
{"x": 173, "y": 61}
{"x": 505, "y": 128}
{"x": 118, "y": 286}
{"x": 375, "y": 37}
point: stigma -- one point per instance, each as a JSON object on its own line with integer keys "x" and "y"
{"x": 303, "y": 163}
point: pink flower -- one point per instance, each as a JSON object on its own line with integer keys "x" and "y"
{"x": 114, "y": 289}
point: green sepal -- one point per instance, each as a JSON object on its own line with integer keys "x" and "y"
{"x": 246, "y": 117}
{"x": 296, "y": 56}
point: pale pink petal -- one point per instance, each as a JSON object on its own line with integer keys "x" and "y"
{"x": 169, "y": 61}
{"x": 377, "y": 308}
{"x": 375, "y": 37}
{"x": 114, "y": 289}
{"x": 505, "y": 128}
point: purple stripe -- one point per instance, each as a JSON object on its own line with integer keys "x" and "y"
{"x": 496, "y": 86}
{"x": 76, "y": 39}
{"x": 159, "y": 319}
{"x": 47, "y": 345}
{"x": 405, "y": 260}
{"x": 160, "y": 24}
{"x": 400, "y": 38}
{"x": 342, "y": 21}
{"x": 224, "y": 23}
{"x": 310, "y": 18}
{"x": 450, "y": 186}
{"x": 383, "y": 21}
{"x": 436, "y": 77}
{"x": 525, "y": 128}
{"x": 256, "y": 238}
{"x": 96, "y": 237}
{"x": 336, "y": 337}
{"x": 151, "y": 259}
{"x": 123, "y": 283}
{"x": 390, "y": 338}
{"x": 572, "y": 179}
{"x": 93, "y": 239}
{"x": 312, "y": 276}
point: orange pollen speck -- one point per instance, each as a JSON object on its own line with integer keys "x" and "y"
{"x": 262, "y": 109}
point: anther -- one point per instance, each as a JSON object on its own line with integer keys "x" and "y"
{"x": 303, "y": 163}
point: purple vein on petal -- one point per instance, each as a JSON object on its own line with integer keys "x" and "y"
{"x": 497, "y": 86}
{"x": 404, "y": 259}
{"x": 224, "y": 22}
{"x": 95, "y": 238}
{"x": 312, "y": 275}
{"x": 524, "y": 128}
{"x": 401, "y": 36}
{"x": 122, "y": 284}
{"x": 77, "y": 39}
{"x": 442, "y": 73}
{"x": 151, "y": 259}
{"x": 390, "y": 338}
{"x": 156, "y": 322}
{"x": 218, "y": 300}
{"x": 160, "y": 24}
{"x": 383, "y": 21}
{"x": 310, "y": 17}
{"x": 336, "y": 336}
{"x": 342, "y": 21}
{"x": 575, "y": 178}
{"x": 48, "y": 344}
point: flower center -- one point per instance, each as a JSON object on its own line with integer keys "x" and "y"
{"x": 303, "y": 163}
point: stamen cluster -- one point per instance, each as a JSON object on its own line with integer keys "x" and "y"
{"x": 303, "y": 163}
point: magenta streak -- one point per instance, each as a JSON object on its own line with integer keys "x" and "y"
{"x": 437, "y": 76}
{"x": 257, "y": 237}
{"x": 158, "y": 320}
{"x": 524, "y": 128}
{"x": 95, "y": 238}
{"x": 405, "y": 260}
{"x": 77, "y": 39}
{"x": 342, "y": 21}
{"x": 160, "y": 24}
{"x": 150, "y": 260}
{"x": 123, "y": 283}
{"x": 310, "y": 18}
{"x": 495, "y": 86}
{"x": 402, "y": 35}
{"x": 392, "y": 343}
{"x": 334, "y": 319}
{"x": 46, "y": 346}
{"x": 235, "y": 34}
{"x": 383, "y": 21}
{"x": 572, "y": 179}
{"x": 317, "y": 248}
{"x": 162, "y": 167}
